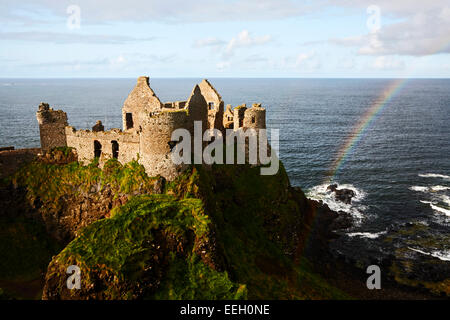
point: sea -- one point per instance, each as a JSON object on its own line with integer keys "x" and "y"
{"x": 396, "y": 159}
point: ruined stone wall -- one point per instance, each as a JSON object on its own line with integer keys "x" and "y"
{"x": 175, "y": 104}
{"x": 228, "y": 121}
{"x": 155, "y": 143}
{"x": 255, "y": 117}
{"x": 238, "y": 116}
{"x": 215, "y": 113}
{"x": 83, "y": 142}
{"x": 12, "y": 160}
{"x": 51, "y": 127}
{"x": 197, "y": 109}
{"x": 141, "y": 101}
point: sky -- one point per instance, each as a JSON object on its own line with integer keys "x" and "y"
{"x": 225, "y": 38}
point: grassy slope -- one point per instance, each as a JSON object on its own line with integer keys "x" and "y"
{"x": 248, "y": 214}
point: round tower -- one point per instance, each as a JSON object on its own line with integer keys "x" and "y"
{"x": 255, "y": 117}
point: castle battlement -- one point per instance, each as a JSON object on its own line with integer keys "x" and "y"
{"x": 147, "y": 127}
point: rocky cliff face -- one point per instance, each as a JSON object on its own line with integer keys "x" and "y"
{"x": 222, "y": 232}
{"x": 216, "y": 234}
{"x": 226, "y": 232}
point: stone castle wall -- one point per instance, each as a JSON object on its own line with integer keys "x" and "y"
{"x": 155, "y": 142}
{"x": 83, "y": 142}
{"x": 238, "y": 116}
{"x": 148, "y": 125}
{"x": 52, "y": 125}
{"x": 141, "y": 101}
{"x": 255, "y": 117}
{"x": 215, "y": 111}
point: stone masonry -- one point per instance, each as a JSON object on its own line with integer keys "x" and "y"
{"x": 147, "y": 127}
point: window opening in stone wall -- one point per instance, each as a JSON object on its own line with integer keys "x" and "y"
{"x": 210, "y": 105}
{"x": 115, "y": 149}
{"x": 129, "y": 120}
{"x": 97, "y": 149}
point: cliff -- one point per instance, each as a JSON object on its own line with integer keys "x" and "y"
{"x": 219, "y": 233}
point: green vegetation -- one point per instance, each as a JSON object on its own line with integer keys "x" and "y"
{"x": 253, "y": 216}
{"x": 49, "y": 182}
{"x": 131, "y": 249}
{"x": 219, "y": 233}
{"x": 26, "y": 251}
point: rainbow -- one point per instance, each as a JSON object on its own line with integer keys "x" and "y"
{"x": 361, "y": 127}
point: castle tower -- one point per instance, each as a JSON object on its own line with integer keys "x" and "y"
{"x": 140, "y": 102}
{"x": 255, "y": 117}
{"x": 52, "y": 125}
{"x": 228, "y": 116}
{"x": 156, "y": 143}
{"x": 238, "y": 116}
{"x": 215, "y": 105}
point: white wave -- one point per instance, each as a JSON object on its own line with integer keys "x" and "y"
{"x": 442, "y": 255}
{"x": 437, "y": 208}
{"x": 419, "y": 251}
{"x": 434, "y": 175}
{"x": 419, "y": 188}
{"x": 439, "y": 188}
{"x": 440, "y": 209}
{"x": 446, "y": 199}
{"x": 366, "y": 234}
{"x": 320, "y": 193}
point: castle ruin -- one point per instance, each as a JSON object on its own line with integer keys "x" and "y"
{"x": 148, "y": 124}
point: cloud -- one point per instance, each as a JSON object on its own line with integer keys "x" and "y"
{"x": 243, "y": 39}
{"x": 63, "y": 38}
{"x": 388, "y": 63}
{"x": 223, "y": 65}
{"x": 423, "y": 29}
{"x": 209, "y": 42}
{"x": 308, "y": 61}
{"x": 255, "y": 58}
{"x": 177, "y": 11}
{"x": 127, "y": 59}
{"x": 347, "y": 63}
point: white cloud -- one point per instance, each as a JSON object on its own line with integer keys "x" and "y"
{"x": 388, "y": 63}
{"x": 347, "y": 63}
{"x": 223, "y": 65}
{"x": 243, "y": 39}
{"x": 118, "y": 61}
{"x": 178, "y": 11}
{"x": 69, "y": 37}
{"x": 209, "y": 42}
{"x": 308, "y": 61}
{"x": 424, "y": 29}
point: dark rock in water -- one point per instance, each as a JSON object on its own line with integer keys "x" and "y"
{"x": 332, "y": 187}
{"x": 343, "y": 195}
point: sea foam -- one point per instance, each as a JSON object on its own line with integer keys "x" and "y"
{"x": 368, "y": 235}
{"x": 434, "y": 175}
{"x": 443, "y": 255}
{"x": 355, "y": 209}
